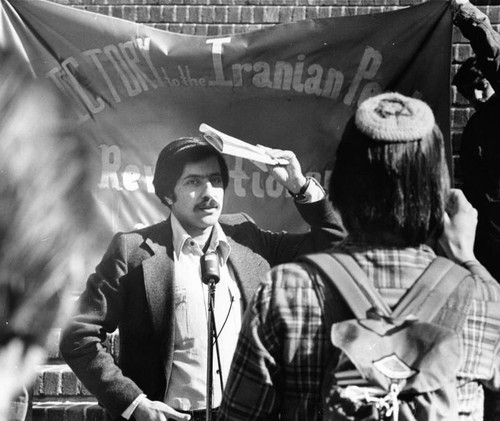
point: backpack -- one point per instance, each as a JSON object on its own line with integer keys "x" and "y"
{"x": 391, "y": 365}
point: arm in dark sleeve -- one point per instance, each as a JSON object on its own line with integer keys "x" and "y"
{"x": 326, "y": 225}
{"x": 484, "y": 40}
{"x": 470, "y": 162}
{"x": 325, "y": 231}
{"x": 82, "y": 342}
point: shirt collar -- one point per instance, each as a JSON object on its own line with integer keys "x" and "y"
{"x": 181, "y": 241}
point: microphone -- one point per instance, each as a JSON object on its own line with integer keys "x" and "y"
{"x": 210, "y": 268}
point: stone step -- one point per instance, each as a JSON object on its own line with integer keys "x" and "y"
{"x": 76, "y": 409}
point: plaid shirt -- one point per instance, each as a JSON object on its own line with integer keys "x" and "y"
{"x": 283, "y": 348}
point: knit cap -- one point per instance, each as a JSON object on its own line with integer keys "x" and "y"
{"x": 392, "y": 117}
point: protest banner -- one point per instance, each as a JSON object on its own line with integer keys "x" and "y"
{"x": 290, "y": 86}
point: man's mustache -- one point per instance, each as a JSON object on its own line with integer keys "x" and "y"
{"x": 208, "y": 203}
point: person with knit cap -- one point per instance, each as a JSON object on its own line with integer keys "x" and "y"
{"x": 150, "y": 286}
{"x": 391, "y": 186}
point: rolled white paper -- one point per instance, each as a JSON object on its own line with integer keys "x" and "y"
{"x": 229, "y": 145}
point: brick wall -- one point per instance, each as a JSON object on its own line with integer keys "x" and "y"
{"x": 218, "y": 17}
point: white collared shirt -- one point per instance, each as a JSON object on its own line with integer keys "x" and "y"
{"x": 187, "y": 386}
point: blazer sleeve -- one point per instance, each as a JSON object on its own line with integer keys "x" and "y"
{"x": 276, "y": 248}
{"x": 82, "y": 342}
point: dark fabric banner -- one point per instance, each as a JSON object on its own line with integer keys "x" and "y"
{"x": 291, "y": 86}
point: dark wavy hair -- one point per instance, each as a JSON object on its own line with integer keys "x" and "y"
{"x": 395, "y": 188}
{"x": 174, "y": 157}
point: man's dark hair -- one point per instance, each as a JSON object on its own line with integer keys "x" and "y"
{"x": 467, "y": 76}
{"x": 391, "y": 187}
{"x": 174, "y": 157}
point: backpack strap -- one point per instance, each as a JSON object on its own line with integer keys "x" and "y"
{"x": 423, "y": 300}
{"x": 432, "y": 289}
{"x": 350, "y": 280}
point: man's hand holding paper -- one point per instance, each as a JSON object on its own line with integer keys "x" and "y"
{"x": 288, "y": 174}
{"x": 283, "y": 165}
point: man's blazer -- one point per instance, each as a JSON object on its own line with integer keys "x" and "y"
{"x": 132, "y": 290}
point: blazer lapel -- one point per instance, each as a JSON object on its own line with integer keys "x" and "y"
{"x": 158, "y": 281}
{"x": 248, "y": 267}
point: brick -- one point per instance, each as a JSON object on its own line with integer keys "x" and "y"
{"x": 234, "y": 14}
{"x": 38, "y": 385}
{"x": 142, "y": 13}
{"x": 160, "y": 26}
{"x": 201, "y": 30}
{"x": 129, "y": 13}
{"x": 461, "y": 52}
{"x": 70, "y": 385}
{"x": 325, "y": 12}
{"x": 55, "y": 412}
{"x": 228, "y": 29}
{"x": 460, "y": 116}
{"x": 213, "y": 30}
{"x": 95, "y": 413}
{"x": 312, "y": 12}
{"x": 181, "y": 14}
{"x": 155, "y": 14}
{"x": 206, "y": 14}
{"x": 286, "y": 14}
{"x": 76, "y": 412}
{"x": 270, "y": 14}
{"x": 336, "y": 12}
{"x": 221, "y": 15}
{"x": 174, "y": 27}
{"x": 494, "y": 14}
{"x": 299, "y": 13}
{"x": 247, "y": 14}
{"x": 363, "y": 10}
{"x": 194, "y": 14}
{"x": 189, "y": 29}
{"x": 117, "y": 12}
{"x": 168, "y": 13}
{"x": 253, "y": 27}
{"x": 52, "y": 382}
{"x": 349, "y": 11}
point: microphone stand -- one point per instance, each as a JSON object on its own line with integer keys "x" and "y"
{"x": 210, "y": 276}
{"x": 210, "y": 347}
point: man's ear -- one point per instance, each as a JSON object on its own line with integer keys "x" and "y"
{"x": 168, "y": 200}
